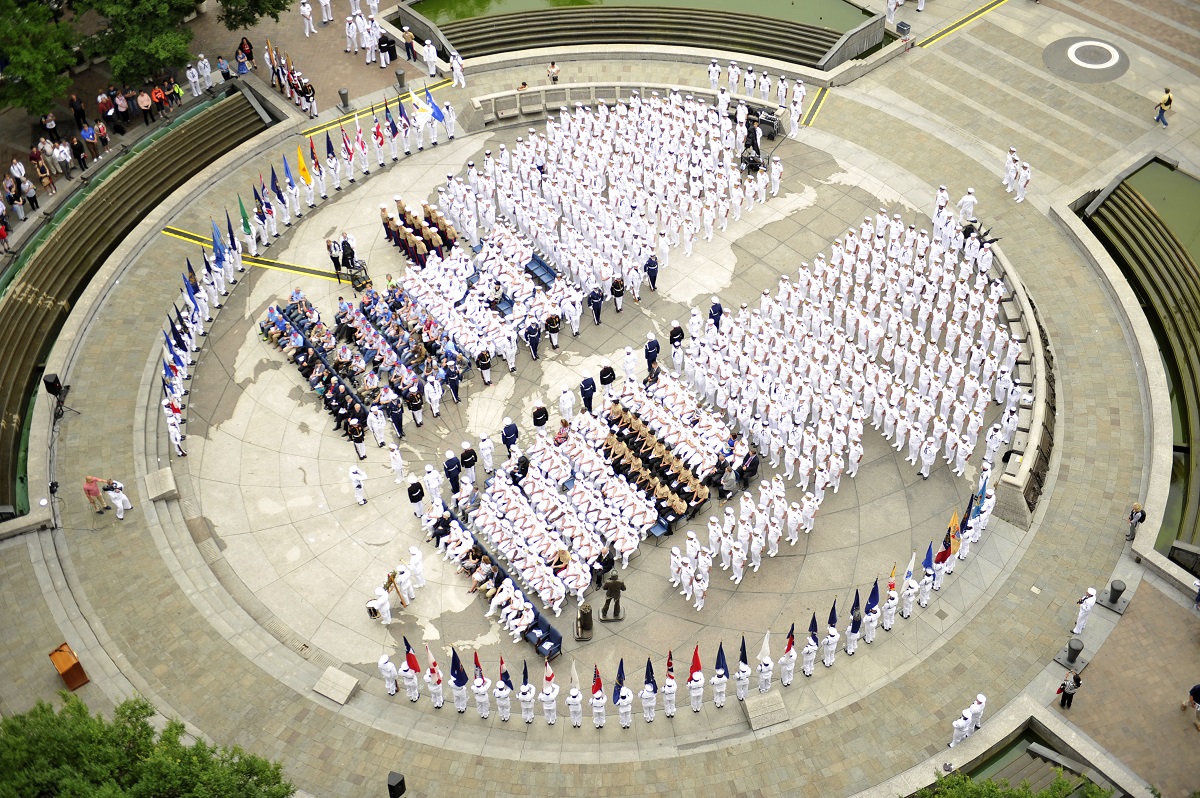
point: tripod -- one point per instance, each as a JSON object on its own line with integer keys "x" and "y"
{"x": 60, "y": 406}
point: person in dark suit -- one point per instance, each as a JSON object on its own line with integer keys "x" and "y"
{"x": 604, "y": 563}
{"x": 587, "y": 389}
{"x": 748, "y": 470}
{"x": 612, "y": 595}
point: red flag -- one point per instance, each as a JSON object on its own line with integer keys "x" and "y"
{"x": 549, "y": 673}
{"x": 410, "y": 657}
{"x": 312, "y": 149}
{"x": 695, "y": 664}
{"x": 347, "y": 147}
{"x": 670, "y": 665}
{"x": 597, "y": 685}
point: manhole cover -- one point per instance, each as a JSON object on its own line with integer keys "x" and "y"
{"x": 1084, "y": 59}
{"x": 942, "y": 615}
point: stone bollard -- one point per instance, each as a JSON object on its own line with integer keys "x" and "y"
{"x": 400, "y": 80}
{"x": 344, "y": 94}
{"x": 1113, "y": 599}
{"x": 1074, "y": 649}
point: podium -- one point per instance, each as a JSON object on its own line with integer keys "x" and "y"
{"x": 68, "y": 667}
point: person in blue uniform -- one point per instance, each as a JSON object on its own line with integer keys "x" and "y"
{"x": 715, "y": 312}
{"x": 651, "y": 349}
{"x": 452, "y": 468}
{"x": 508, "y": 435}
{"x": 533, "y": 337}
{"x": 587, "y": 389}
{"x": 596, "y": 302}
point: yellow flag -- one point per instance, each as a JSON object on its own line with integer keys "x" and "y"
{"x": 300, "y": 167}
{"x": 954, "y": 539}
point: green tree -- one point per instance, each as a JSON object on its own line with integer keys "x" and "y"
{"x": 143, "y": 38}
{"x": 242, "y": 14}
{"x": 74, "y": 753}
{"x": 959, "y": 785}
{"x": 39, "y": 51}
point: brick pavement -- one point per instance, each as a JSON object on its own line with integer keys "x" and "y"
{"x": 205, "y": 672}
{"x": 1132, "y": 688}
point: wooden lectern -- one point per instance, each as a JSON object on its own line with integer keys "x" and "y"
{"x": 68, "y": 667}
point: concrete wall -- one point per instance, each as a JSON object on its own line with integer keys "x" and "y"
{"x": 854, "y": 43}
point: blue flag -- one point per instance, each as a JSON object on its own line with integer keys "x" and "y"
{"x": 217, "y": 244}
{"x": 742, "y": 658}
{"x": 457, "y": 672}
{"x": 229, "y": 227}
{"x": 854, "y": 608}
{"x": 721, "y": 666}
{"x": 833, "y": 614}
{"x": 524, "y": 664}
{"x": 329, "y": 151}
{"x": 287, "y": 173}
{"x": 812, "y": 627}
{"x": 620, "y": 680}
{"x": 650, "y": 680}
{"x": 927, "y": 563}
{"x": 275, "y": 185}
{"x": 433, "y": 107}
{"x": 167, "y": 371}
{"x": 873, "y": 599}
{"x": 387, "y": 115}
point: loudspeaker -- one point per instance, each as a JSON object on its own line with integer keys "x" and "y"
{"x": 395, "y": 784}
{"x": 52, "y": 383}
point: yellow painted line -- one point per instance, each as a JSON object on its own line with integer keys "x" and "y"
{"x": 253, "y": 260}
{"x": 815, "y": 108}
{"x": 407, "y": 96}
{"x": 969, "y": 18}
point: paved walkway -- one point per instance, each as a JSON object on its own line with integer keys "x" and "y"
{"x": 1147, "y": 665}
{"x": 203, "y": 655}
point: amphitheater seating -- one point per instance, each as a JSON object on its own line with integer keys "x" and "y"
{"x": 37, "y": 304}
{"x": 1166, "y": 279}
{"x": 688, "y": 27}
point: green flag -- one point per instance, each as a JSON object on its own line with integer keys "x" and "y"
{"x": 246, "y": 228}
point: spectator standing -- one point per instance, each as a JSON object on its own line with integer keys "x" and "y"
{"x": 553, "y": 71}
{"x": 1070, "y": 684}
{"x": 223, "y": 67}
{"x": 88, "y": 134}
{"x": 102, "y": 137}
{"x": 30, "y": 191}
{"x": 43, "y": 172}
{"x": 79, "y": 153}
{"x": 247, "y": 49}
{"x": 147, "y": 107}
{"x": 78, "y": 110}
{"x": 1136, "y": 516}
{"x": 50, "y": 125}
{"x": 1163, "y": 106}
{"x": 62, "y": 156}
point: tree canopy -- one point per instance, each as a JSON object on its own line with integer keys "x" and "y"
{"x": 142, "y": 39}
{"x": 38, "y": 51}
{"x": 242, "y": 14}
{"x": 959, "y": 785}
{"x": 73, "y": 753}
